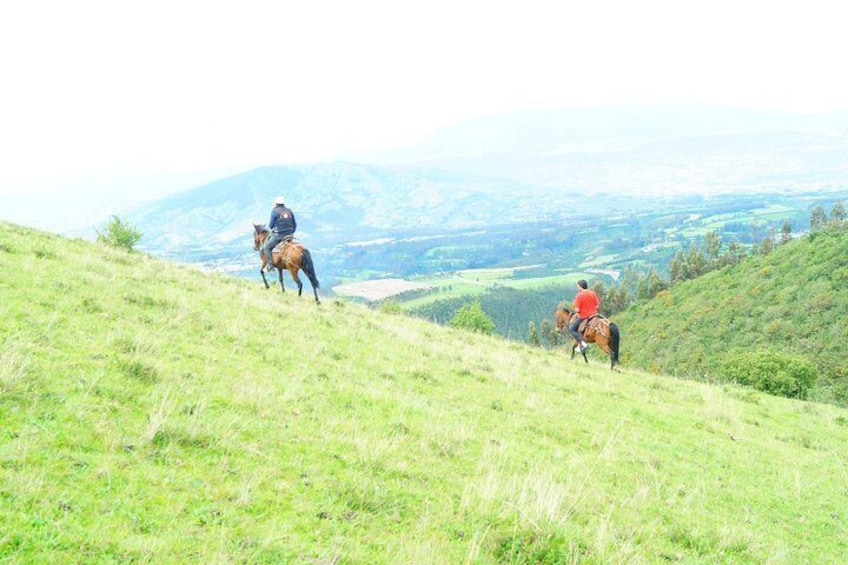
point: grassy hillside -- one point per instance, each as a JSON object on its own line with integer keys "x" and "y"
{"x": 794, "y": 299}
{"x": 144, "y": 419}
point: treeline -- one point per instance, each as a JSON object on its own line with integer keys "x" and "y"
{"x": 702, "y": 257}
{"x": 510, "y": 309}
{"x": 764, "y": 321}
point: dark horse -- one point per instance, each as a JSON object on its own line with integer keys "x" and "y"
{"x": 597, "y": 330}
{"x": 292, "y": 256}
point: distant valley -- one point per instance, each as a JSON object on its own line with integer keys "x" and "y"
{"x": 523, "y": 189}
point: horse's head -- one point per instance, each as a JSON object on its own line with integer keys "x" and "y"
{"x": 562, "y": 317}
{"x": 260, "y": 234}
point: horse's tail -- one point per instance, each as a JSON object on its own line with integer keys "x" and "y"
{"x": 309, "y": 268}
{"x": 615, "y": 338}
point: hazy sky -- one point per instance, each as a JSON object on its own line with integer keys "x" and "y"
{"x": 162, "y": 95}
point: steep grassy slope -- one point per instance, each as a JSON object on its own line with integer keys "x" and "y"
{"x": 145, "y": 419}
{"x": 795, "y": 299}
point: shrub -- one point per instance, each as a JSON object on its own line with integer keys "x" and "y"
{"x": 472, "y": 317}
{"x": 390, "y": 307}
{"x": 118, "y": 233}
{"x": 548, "y": 332}
{"x": 782, "y": 374}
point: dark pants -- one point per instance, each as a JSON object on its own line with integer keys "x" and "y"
{"x": 271, "y": 243}
{"x": 573, "y": 328}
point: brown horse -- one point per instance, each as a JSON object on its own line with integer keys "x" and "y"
{"x": 292, "y": 256}
{"x": 597, "y": 330}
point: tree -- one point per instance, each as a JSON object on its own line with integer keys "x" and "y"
{"x": 120, "y": 234}
{"x": 818, "y": 219}
{"x": 837, "y": 214}
{"x": 677, "y": 268}
{"x": 713, "y": 244}
{"x": 734, "y": 254}
{"x": 390, "y": 307}
{"x": 533, "y": 335}
{"x": 785, "y": 232}
{"x": 696, "y": 263}
{"x": 654, "y": 283}
{"x": 767, "y": 245}
{"x": 619, "y": 299}
{"x": 472, "y": 317}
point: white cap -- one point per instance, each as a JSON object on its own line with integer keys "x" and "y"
{"x": 279, "y": 200}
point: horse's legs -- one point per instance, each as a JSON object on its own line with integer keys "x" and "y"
{"x": 264, "y": 257}
{"x": 280, "y": 271}
{"x": 574, "y": 348}
{"x": 604, "y": 345}
{"x": 293, "y": 272}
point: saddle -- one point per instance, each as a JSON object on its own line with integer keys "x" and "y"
{"x": 590, "y": 324}
{"x": 283, "y": 243}
{"x": 284, "y": 247}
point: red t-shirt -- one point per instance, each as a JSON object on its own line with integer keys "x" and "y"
{"x": 586, "y": 303}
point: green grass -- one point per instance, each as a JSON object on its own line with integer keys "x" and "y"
{"x": 144, "y": 420}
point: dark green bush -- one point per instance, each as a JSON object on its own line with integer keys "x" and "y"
{"x": 782, "y": 374}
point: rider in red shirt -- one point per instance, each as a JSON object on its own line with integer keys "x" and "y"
{"x": 585, "y": 306}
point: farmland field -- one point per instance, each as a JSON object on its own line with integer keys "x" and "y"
{"x": 534, "y": 254}
{"x": 470, "y": 283}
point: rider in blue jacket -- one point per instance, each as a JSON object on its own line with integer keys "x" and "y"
{"x": 282, "y": 226}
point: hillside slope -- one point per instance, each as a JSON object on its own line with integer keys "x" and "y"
{"x": 154, "y": 413}
{"x": 794, "y": 299}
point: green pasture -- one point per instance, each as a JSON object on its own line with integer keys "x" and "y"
{"x": 148, "y": 418}
{"x": 598, "y": 261}
{"x": 474, "y": 282}
{"x": 699, "y": 225}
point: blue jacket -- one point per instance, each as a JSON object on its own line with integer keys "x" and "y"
{"x": 282, "y": 220}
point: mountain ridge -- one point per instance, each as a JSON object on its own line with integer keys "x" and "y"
{"x": 480, "y": 172}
